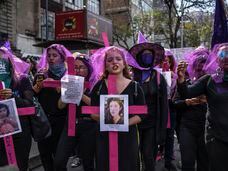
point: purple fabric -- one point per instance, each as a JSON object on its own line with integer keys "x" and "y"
{"x": 43, "y": 64}
{"x": 98, "y": 62}
{"x": 141, "y": 38}
{"x": 20, "y": 67}
{"x": 168, "y": 52}
{"x": 212, "y": 66}
{"x": 220, "y": 34}
{"x": 199, "y": 55}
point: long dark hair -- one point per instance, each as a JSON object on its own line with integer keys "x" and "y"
{"x": 108, "y": 116}
{"x": 2, "y": 105}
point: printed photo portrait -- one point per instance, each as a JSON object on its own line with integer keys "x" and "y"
{"x": 114, "y": 113}
{"x": 9, "y": 120}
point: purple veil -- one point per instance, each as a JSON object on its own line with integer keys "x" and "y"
{"x": 20, "y": 67}
{"x": 98, "y": 62}
{"x": 43, "y": 64}
{"x": 195, "y": 57}
{"x": 212, "y": 65}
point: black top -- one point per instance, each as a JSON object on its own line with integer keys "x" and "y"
{"x": 133, "y": 90}
{"x": 217, "y": 98}
{"x": 157, "y": 102}
{"x": 22, "y": 92}
{"x": 192, "y": 117}
{"x": 48, "y": 98}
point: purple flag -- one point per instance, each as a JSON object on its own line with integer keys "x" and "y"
{"x": 141, "y": 38}
{"x": 220, "y": 34}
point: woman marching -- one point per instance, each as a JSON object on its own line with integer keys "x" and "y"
{"x": 192, "y": 113}
{"x": 17, "y": 85}
{"x": 51, "y": 67}
{"x": 86, "y": 127}
{"x": 115, "y": 61}
{"x": 153, "y": 127}
{"x": 215, "y": 88}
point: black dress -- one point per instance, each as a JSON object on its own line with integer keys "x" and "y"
{"x": 217, "y": 128}
{"x": 127, "y": 141}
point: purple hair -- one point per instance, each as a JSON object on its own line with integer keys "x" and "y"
{"x": 64, "y": 53}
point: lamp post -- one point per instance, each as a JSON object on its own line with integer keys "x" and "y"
{"x": 182, "y": 23}
{"x": 46, "y": 16}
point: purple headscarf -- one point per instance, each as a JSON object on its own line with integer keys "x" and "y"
{"x": 43, "y": 64}
{"x": 98, "y": 62}
{"x": 20, "y": 67}
{"x": 212, "y": 64}
{"x": 199, "y": 55}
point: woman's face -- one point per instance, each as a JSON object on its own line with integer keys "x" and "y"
{"x": 114, "y": 108}
{"x": 80, "y": 68}
{"x": 114, "y": 62}
{"x": 53, "y": 57}
{"x": 223, "y": 57}
{"x": 3, "y": 112}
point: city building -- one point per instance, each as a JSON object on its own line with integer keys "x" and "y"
{"x": 24, "y": 22}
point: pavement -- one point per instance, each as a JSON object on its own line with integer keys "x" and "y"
{"x": 36, "y": 166}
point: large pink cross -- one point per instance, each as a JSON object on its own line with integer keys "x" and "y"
{"x": 8, "y": 140}
{"x": 71, "y": 107}
{"x": 113, "y": 136}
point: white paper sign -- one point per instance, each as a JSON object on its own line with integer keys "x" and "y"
{"x": 9, "y": 120}
{"x": 114, "y": 114}
{"x": 72, "y": 88}
{"x": 168, "y": 77}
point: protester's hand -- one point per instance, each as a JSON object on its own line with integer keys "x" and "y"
{"x": 181, "y": 69}
{"x": 193, "y": 101}
{"x": 58, "y": 89}
{"x": 203, "y": 99}
{"x": 6, "y": 93}
{"x": 95, "y": 117}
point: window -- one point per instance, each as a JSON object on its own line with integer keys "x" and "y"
{"x": 74, "y": 4}
{"x": 94, "y": 6}
{"x": 51, "y": 25}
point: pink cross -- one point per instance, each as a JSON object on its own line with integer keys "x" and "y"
{"x": 113, "y": 136}
{"x": 71, "y": 107}
{"x": 8, "y": 140}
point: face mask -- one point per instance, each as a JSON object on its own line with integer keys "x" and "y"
{"x": 5, "y": 74}
{"x": 57, "y": 69}
{"x": 147, "y": 60}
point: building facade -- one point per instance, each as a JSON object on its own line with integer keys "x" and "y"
{"x": 24, "y": 22}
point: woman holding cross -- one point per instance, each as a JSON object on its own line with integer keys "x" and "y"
{"x": 17, "y": 85}
{"x": 85, "y": 126}
{"x": 51, "y": 67}
{"x": 114, "y": 61}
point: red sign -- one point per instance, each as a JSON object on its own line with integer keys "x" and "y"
{"x": 70, "y": 25}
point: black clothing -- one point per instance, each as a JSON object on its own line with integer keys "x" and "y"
{"x": 148, "y": 147}
{"x": 217, "y": 152}
{"x": 153, "y": 127}
{"x": 192, "y": 129}
{"x": 193, "y": 148}
{"x": 217, "y": 128}
{"x": 127, "y": 141}
{"x": 48, "y": 98}
{"x": 23, "y": 95}
{"x": 85, "y": 140}
{"x": 217, "y": 104}
{"x": 157, "y": 103}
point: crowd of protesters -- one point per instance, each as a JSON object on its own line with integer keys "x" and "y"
{"x": 190, "y": 104}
